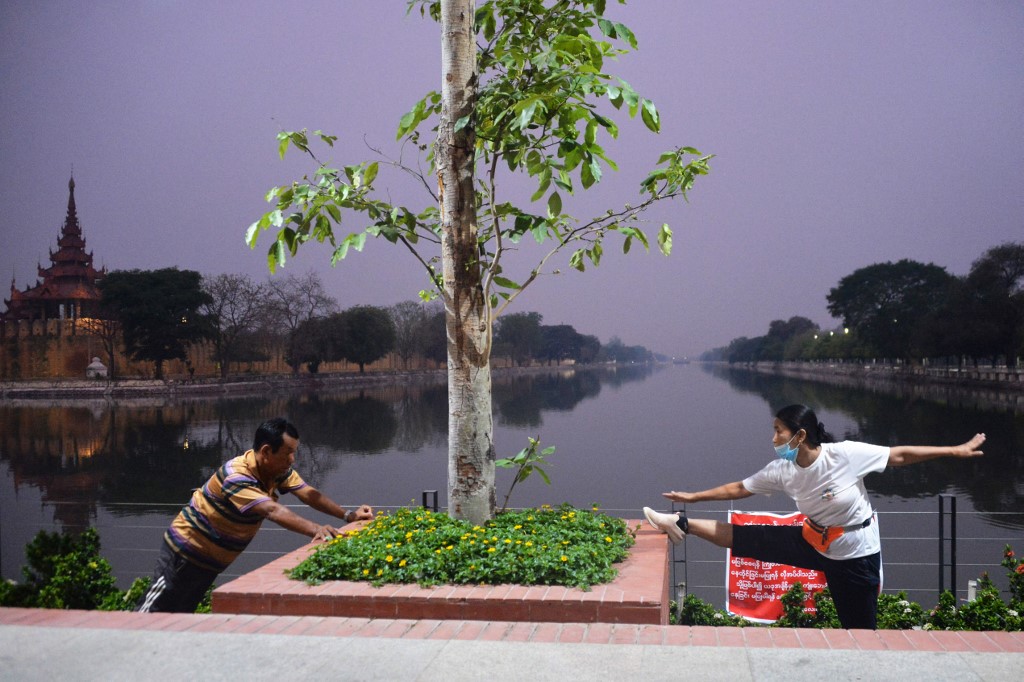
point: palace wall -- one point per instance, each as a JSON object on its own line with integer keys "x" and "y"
{"x": 62, "y": 349}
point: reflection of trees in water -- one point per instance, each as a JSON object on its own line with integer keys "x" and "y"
{"x": 422, "y": 418}
{"x": 131, "y": 456}
{"x": 520, "y": 399}
{"x": 617, "y": 375}
{"x": 993, "y": 482}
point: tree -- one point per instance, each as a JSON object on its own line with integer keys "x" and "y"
{"x": 235, "y": 308}
{"x": 559, "y": 342}
{"x": 889, "y": 305}
{"x": 108, "y": 330}
{"x": 519, "y": 336}
{"x": 527, "y": 101}
{"x": 293, "y": 300}
{"x": 362, "y": 334}
{"x": 995, "y": 301}
{"x": 433, "y": 337}
{"x": 408, "y": 317}
{"x": 312, "y": 343}
{"x": 159, "y": 312}
{"x": 589, "y": 348}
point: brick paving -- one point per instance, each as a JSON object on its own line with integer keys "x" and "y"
{"x": 498, "y": 631}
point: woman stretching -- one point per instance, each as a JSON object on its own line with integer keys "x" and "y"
{"x": 826, "y": 480}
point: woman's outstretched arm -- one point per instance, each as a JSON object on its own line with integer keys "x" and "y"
{"x": 902, "y": 455}
{"x": 729, "y": 491}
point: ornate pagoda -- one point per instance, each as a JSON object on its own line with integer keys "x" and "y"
{"x": 67, "y": 289}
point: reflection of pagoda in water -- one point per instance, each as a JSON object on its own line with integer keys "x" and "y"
{"x": 67, "y": 289}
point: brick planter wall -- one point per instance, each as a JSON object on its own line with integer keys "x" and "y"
{"x": 638, "y": 595}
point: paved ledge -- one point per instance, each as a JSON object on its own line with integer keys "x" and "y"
{"x": 506, "y": 631}
{"x": 102, "y": 646}
{"x": 639, "y": 594}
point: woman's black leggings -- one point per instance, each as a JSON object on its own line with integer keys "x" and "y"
{"x": 854, "y": 583}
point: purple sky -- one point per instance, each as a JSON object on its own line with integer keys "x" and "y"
{"x": 846, "y": 134}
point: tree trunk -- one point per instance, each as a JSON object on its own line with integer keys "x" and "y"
{"x": 470, "y": 422}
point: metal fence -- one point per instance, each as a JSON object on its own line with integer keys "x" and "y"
{"x": 922, "y": 551}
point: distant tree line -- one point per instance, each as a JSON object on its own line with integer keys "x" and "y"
{"x": 907, "y": 311}
{"x": 158, "y": 314}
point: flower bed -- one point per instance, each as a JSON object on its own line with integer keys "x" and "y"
{"x": 637, "y": 594}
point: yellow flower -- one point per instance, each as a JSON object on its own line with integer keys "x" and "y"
{"x": 366, "y": 571}
{"x": 565, "y": 542}
{"x": 379, "y": 571}
{"x": 565, "y": 558}
{"x": 401, "y": 563}
{"x": 490, "y": 549}
{"x": 518, "y": 526}
{"x": 437, "y": 551}
{"x": 607, "y": 539}
{"x": 389, "y": 545}
{"x": 449, "y": 547}
{"x": 529, "y": 543}
{"x": 508, "y": 541}
{"x": 389, "y": 558}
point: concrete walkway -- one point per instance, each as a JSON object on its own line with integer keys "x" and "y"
{"x": 37, "y": 644}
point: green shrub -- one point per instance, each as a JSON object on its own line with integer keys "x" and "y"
{"x": 546, "y": 546}
{"x": 794, "y": 615}
{"x": 63, "y": 572}
{"x": 896, "y": 612}
{"x": 1015, "y": 572}
{"x": 696, "y": 611}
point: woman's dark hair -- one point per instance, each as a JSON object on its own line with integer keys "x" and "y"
{"x": 796, "y": 417}
{"x": 272, "y": 432}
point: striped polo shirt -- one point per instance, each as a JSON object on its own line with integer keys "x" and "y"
{"x": 219, "y": 521}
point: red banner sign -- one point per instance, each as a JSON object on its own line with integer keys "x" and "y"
{"x": 754, "y": 588}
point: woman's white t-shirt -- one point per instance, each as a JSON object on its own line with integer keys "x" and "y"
{"x": 831, "y": 492}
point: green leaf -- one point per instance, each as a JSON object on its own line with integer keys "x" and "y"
{"x": 371, "y": 173}
{"x": 607, "y": 27}
{"x": 462, "y": 122}
{"x": 526, "y": 112}
{"x": 665, "y": 239}
{"x": 554, "y": 205}
{"x": 250, "y": 234}
{"x": 649, "y": 114}
{"x": 405, "y": 124}
{"x": 276, "y": 256}
{"x": 507, "y": 283}
{"x": 622, "y": 31}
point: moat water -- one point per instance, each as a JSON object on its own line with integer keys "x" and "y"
{"x": 623, "y": 435}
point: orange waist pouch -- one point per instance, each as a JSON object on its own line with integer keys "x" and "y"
{"x": 820, "y": 537}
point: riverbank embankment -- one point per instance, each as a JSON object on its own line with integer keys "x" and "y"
{"x": 143, "y": 388}
{"x": 104, "y": 389}
{"x": 994, "y": 386}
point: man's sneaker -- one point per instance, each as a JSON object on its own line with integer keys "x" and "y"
{"x": 666, "y": 523}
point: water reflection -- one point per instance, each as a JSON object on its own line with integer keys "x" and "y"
{"x": 919, "y": 415}
{"x": 624, "y": 434}
{"x": 138, "y": 456}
